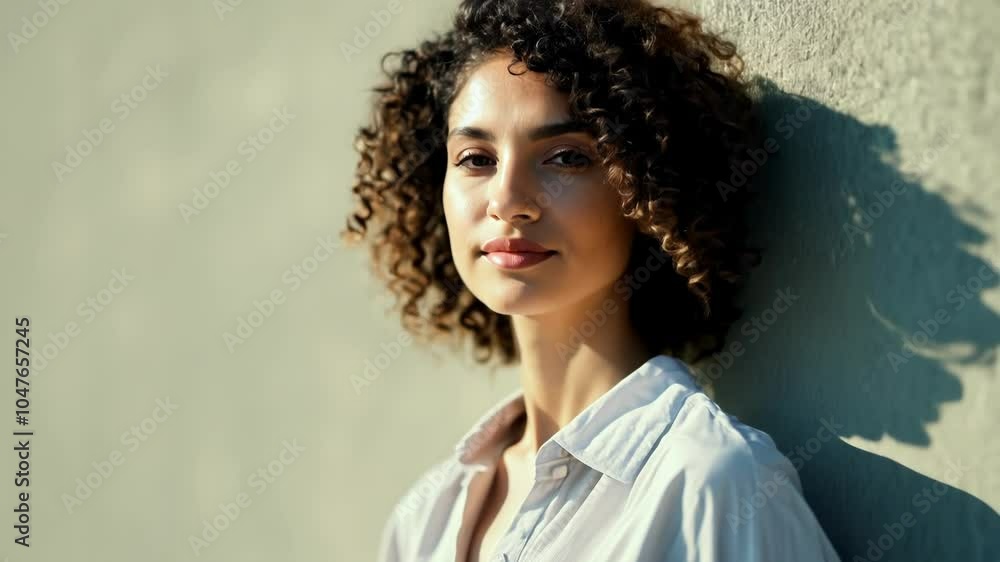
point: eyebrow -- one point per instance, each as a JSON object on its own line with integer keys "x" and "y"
{"x": 538, "y": 133}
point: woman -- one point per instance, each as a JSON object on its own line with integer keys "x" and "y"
{"x": 552, "y": 180}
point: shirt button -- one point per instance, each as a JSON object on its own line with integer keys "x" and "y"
{"x": 560, "y": 471}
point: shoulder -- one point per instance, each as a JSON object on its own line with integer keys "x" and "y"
{"x": 413, "y": 513}
{"x": 709, "y": 447}
{"x": 732, "y": 487}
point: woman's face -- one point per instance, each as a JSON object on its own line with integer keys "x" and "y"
{"x": 517, "y": 168}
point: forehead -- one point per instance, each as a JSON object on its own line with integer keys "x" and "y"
{"x": 492, "y": 96}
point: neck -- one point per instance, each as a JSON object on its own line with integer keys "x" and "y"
{"x": 569, "y": 359}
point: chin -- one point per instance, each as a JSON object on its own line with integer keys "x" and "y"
{"x": 516, "y": 297}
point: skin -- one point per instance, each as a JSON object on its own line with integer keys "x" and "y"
{"x": 503, "y": 181}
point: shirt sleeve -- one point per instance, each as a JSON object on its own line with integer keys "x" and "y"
{"x": 748, "y": 511}
{"x": 389, "y": 548}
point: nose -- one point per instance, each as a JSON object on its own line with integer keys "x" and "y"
{"x": 512, "y": 193}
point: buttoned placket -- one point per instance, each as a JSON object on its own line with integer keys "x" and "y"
{"x": 551, "y": 469}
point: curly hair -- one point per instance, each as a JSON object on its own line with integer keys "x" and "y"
{"x": 670, "y": 112}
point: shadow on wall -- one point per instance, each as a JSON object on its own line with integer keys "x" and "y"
{"x": 881, "y": 306}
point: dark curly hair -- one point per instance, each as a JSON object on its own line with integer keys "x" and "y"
{"x": 671, "y": 115}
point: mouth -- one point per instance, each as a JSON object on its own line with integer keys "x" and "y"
{"x": 517, "y": 260}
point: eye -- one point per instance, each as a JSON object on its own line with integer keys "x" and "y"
{"x": 476, "y": 159}
{"x": 571, "y": 159}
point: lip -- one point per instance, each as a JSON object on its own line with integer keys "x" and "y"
{"x": 515, "y": 253}
{"x": 518, "y": 245}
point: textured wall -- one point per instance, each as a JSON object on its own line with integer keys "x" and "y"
{"x": 890, "y": 95}
{"x": 879, "y": 214}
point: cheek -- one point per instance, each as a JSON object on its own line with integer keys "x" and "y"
{"x": 458, "y": 216}
{"x": 591, "y": 213}
{"x": 599, "y": 237}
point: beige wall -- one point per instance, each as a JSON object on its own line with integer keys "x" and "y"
{"x": 151, "y": 288}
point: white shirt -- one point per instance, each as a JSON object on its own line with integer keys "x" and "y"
{"x": 652, "y": 470}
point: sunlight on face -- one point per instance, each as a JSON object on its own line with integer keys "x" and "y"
{"x": 518, "y": 168}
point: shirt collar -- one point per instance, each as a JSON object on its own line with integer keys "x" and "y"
{"x": 613, "y": 435}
